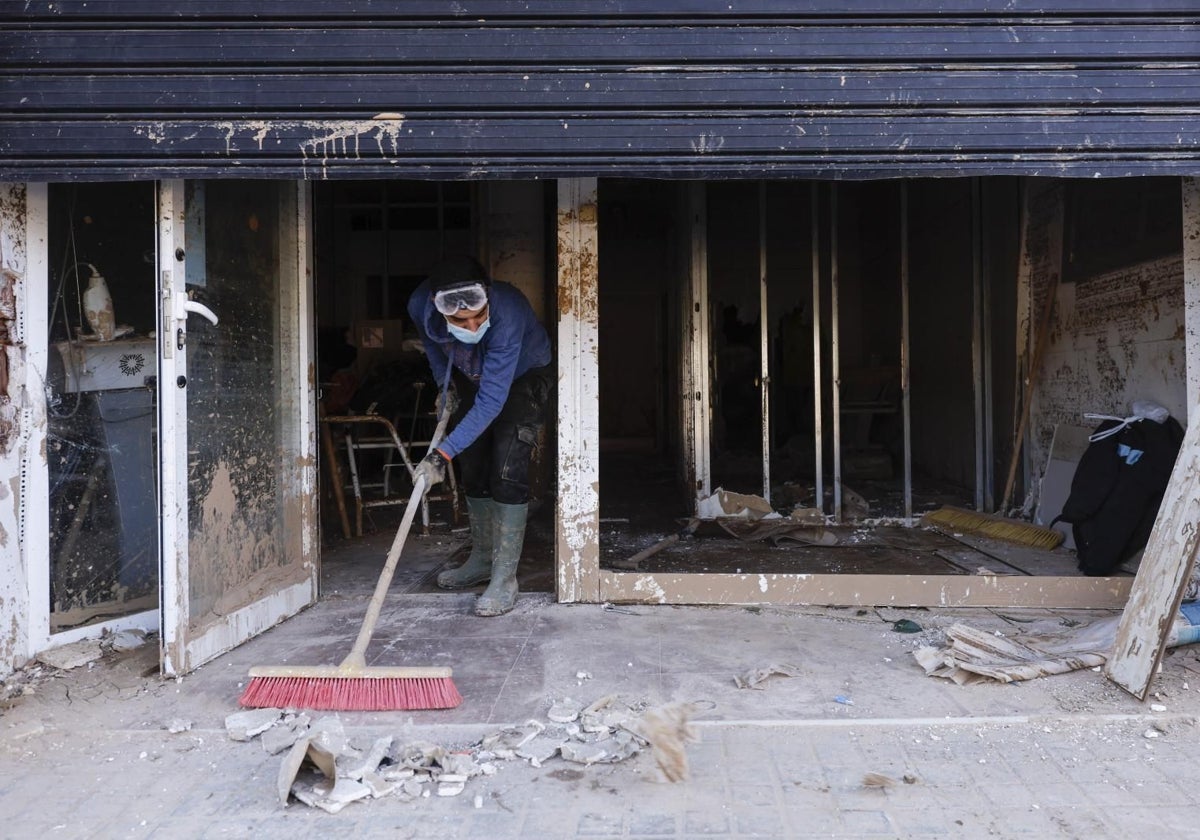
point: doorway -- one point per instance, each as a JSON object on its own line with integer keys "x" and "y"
{"x": 178, "y": 483}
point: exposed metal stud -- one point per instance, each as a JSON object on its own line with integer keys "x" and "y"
{"x": 764, "y": 344}
{"x": 977, "y": 340}
{"x": 989, "y": 405}
{"x": 819, "y": 442}
{"x": 699, "y": 381}
{"x": 904, "y": 353}
{"x": 835, "y": 361}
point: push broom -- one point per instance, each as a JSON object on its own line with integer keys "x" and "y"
{"x": 352, "y": 685}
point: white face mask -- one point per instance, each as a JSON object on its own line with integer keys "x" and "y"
{"x": 466, "y": 336}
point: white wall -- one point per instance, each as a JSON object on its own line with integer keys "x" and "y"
{"x": 14, "y": 588}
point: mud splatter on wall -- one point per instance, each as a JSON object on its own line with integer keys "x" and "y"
{"x": 1117, "y": 337}
{"x": 8, "y": 344}
{"x": 14, "y": 608}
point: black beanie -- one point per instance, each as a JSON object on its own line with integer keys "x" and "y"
{"x": 457, "y": 271}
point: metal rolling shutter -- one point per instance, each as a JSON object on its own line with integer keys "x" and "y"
{"x": 107, "y": 89}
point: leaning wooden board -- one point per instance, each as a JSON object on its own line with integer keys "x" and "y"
{"x": 1162, "y": 575}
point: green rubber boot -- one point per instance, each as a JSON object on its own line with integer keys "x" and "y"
{"x": 478, "y": 567}
{"x": 501, "y": 594}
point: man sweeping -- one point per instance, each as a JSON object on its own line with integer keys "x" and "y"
{"x": 491, "y": 359}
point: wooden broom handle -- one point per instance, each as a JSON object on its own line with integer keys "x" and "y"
{"x": 356, "y": 660}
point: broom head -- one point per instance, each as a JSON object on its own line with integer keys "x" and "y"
{"x": 994, "y": 527}
{"x": 345, "y": 690}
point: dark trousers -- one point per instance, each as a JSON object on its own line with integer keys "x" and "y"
{"x": 496, "y": 465}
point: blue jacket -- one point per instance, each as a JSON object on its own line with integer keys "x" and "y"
{"x": 514, "y": 343}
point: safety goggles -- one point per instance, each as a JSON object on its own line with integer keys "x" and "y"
{"x": 455, "y": 300}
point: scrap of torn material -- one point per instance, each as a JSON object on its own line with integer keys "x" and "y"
{"x": 752, "y": 518}
{"x": 668, "y": 730}
{"x": 755, "y": 677}
{"x": 974, "y": 655}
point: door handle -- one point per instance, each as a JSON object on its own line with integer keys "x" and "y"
{"x": 184, "y": 306}
{"x": 200, "y": 309}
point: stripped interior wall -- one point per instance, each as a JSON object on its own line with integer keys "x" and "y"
{"x": 1117, "y": 328}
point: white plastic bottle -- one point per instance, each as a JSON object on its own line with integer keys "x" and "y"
{"x": 98, "y": 307}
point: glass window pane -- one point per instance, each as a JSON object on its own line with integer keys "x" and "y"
{"x": 101, "y": 398}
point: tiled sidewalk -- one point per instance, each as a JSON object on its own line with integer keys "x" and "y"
{"x": 89, "y": 753}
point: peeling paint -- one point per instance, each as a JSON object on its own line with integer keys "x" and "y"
{"x": 8, "y": 346}
{"x": 328, "y": 139}
{"x": 577, "y": 559}
{"x": 14, "y": 584}
{"x": 650, "y": 586}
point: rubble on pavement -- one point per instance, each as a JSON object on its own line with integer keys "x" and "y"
{"x": 325, "y": 768}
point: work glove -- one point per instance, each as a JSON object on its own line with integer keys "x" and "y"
{"x": 447, "y": 402}
{"x": 433, "y": 468}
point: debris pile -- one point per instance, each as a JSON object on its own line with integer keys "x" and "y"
{"x": 326, "y": 768}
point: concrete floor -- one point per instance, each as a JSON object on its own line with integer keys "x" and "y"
{"x": 89, "y": 752}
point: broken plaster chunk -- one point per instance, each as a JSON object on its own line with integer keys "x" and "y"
{"x": 411, "y": 789}
{"x": 279, "y": 738}
{"x": 512, "y": 737}
{"x": 71, "y": 656}
{"x": 177, "y": 725}
{"x": 356, "y": 765}
{"x": 331, "y": 796}
{"x": 565, "y": 711}
{"x": 451, "y": 787}
{"x": 242, "y": 726}
{"x": 459, "y": 764}
{"x": 330, "y": 734}
{"x": 131, "y": 638}
{"x": 289, "y": 769}
{"x": 416, "y": 754}
{"x": 606, "y": 714}
{"x": 542, "y": 748}
{"x": 379, "y": 785}
{"x": 582, "y": 753}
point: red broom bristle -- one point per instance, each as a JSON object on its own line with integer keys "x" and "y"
{"x": 351, "y": 694}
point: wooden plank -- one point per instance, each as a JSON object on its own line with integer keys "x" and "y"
{"x": 852, "y": 590}
{"x": 1162, "y": 575}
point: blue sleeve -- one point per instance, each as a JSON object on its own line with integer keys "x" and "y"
{"x": 499, "y": 369}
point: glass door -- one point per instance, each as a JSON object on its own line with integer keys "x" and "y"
{"x": 239, "y": 542}
{"x": 100, "y": 389}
